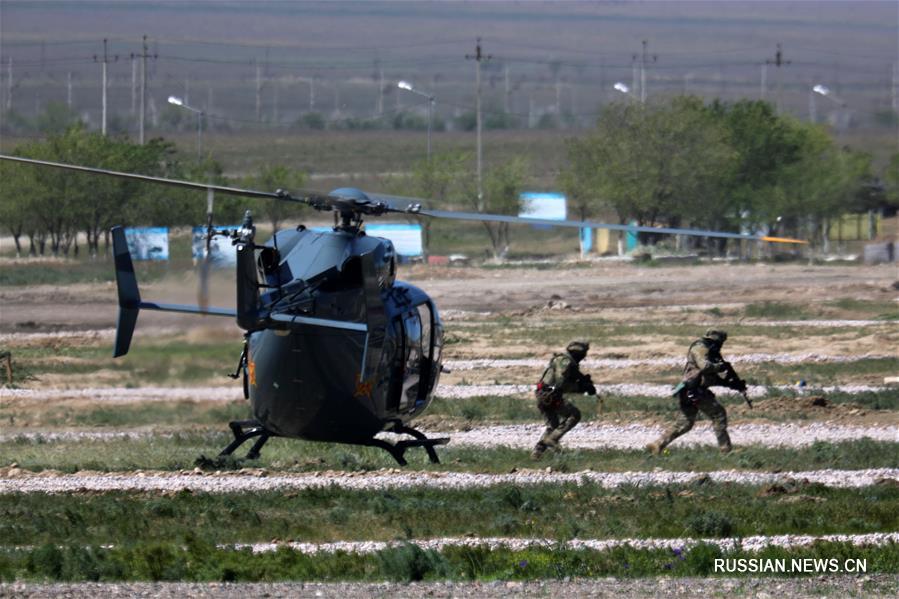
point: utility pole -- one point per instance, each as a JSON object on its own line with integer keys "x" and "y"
{"x": 378, "y": 76}
{"x": 894, "y": 101}
{"x": 258, "y": 91}
{"x": 133, "y": 84}
{"x": 508, "y": 94}
{"x": 478, "y": 57}
{"x": 764, "y": 82}
{"x": 275, "y": 86}
{"x": 643, "y": 60}
{"x": 779, "y": 62}
{"x": 104, "y": 62}
{"x": 635, "y": 82}
{"x": 144, "y": 55}
{"x": 69, "y": 90}
{"x": 9, "y": 84}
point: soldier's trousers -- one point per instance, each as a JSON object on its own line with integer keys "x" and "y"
{"x": 558, "y": 422}
{"x": 703, "y": 401}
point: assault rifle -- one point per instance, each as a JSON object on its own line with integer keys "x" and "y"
{"x": 733, "y": 380}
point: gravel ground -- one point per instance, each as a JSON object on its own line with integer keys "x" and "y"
{"x": 616, "y": 363}
{"x": 122, "y": 395}
{"x": 749, "y": 543}
{"x": 838, "y": 586}
{"x": 15, "y": 480}
{"x": 636, "y": 436}
{"x": 585, "y": 436}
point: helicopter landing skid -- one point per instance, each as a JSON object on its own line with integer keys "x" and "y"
{"x": 244, "y": 430}
{"x": 399, "y": 448}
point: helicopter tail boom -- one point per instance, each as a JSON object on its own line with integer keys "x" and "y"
{"x": 130, "y": 302}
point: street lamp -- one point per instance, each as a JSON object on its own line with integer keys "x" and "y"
{"x": 179, "y": 102}
{"x": 408, "y": 87}
{"x": 624, "y": 88}
{"x": 825, "y": 91}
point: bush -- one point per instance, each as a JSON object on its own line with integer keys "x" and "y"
{"x": 408, "y": 563}
{"x": 710, "y": 524}
{"x": 311, "y": 120}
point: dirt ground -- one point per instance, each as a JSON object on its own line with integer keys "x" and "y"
{"x": 608, "y": 289}
{"x": 476, "y": 302}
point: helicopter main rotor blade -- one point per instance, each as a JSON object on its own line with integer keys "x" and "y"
{"x": 304, "y": 198}
{"x": 501, "y": 218}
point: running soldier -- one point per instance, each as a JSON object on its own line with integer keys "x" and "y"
{"x": 560, "y": 377}
{"x": 705, "y": 368}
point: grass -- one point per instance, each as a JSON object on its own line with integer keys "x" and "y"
{"x": 555, "y": 511}
{"x": 776, "y": 310}
{"x": 174, "y": 360}
{"x": 84, "y": 269}
{"x": 69, "y": 272}
{"x": 443, "y": 413}
{"x": 154, "y": 362}
{"x": 179, "y": 451}
{"x": 160, "y": 415}
{"x": 530, "y": 332}
{"x": 196, "y": 560}
{"x": 504, "y": 409}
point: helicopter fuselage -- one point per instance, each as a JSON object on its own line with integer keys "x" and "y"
{"x": 339, "y": 384}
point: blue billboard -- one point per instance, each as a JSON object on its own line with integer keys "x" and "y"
{"x": 148, "y": 243}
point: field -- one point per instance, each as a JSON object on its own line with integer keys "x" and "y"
{"x": 106, "y": 471}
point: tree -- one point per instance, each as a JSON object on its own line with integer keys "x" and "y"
{"x": 502, "y": 195}
{"x": 56, "y": 119}
{"x": 435, "y": 180}
{"x": 891, "y": 180}
{"x": 653, "y": 163}
{"x": 271, "y": 177}
{"x": 15, "y": 212}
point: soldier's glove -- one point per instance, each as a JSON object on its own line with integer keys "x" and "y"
{"x": 740, "y": 385}
{"x": 589, "y": 387}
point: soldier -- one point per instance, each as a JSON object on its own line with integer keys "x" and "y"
{"x": 560, "y": 377}
{"x": 705, "y": 368}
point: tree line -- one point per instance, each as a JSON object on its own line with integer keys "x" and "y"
{"x": 45, "y": 209}
{"x": 680, "y": 162}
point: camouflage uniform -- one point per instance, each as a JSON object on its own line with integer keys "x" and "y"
{"x": 704, "y": 368}
{"x": 560, "y": 377}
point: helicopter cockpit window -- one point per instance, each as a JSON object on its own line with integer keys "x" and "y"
{"x": 412, "y": 374}
{"x": 430, "y": 351}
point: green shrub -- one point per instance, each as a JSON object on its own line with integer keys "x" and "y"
{"x": 710, "y": 524}
{"x": 408, "y": 563}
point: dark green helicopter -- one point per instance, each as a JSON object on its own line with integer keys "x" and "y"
{"x": 336, "y": 349}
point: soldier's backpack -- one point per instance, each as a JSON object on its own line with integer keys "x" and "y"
{"x": 549, "y": 397}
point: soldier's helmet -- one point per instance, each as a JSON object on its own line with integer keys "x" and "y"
{"x": 715, "y": 335}
{"x": 578, "y": 348}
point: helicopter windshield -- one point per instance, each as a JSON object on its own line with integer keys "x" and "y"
{"x": 412, "y": 376}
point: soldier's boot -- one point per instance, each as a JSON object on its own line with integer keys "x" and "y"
{"x": 655, "y": 448}
{"x": 538, "y": 451}
{"x": 552, "y": 443}
{"x": 724, "y": 443}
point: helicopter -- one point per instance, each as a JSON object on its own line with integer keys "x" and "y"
{"x": 336, "y": 349}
